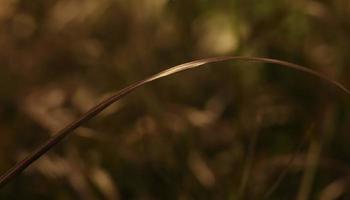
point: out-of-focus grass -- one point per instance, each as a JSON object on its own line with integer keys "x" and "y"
{"x": 186, "y": 137}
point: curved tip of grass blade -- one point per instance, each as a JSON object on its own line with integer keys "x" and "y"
{"x": 20, "y": 166}
{"x": 198, "y": 63}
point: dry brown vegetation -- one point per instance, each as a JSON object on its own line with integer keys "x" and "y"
{"x": 236, "y": 130}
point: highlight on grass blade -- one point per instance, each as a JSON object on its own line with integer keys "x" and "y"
{"x": 20, "y": 166}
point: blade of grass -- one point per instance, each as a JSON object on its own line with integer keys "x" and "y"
{"x": 20, "y": 166}
{"x": 283, "y": 174}
{"x": 248, "y": 165}
{"x": 314, "y": 154}
{"x": 311, "y": 165}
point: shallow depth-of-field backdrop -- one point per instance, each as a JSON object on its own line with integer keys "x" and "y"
{"x": 232, "y": 130}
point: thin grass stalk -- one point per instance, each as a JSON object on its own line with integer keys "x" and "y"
{"x": 311, "y": 165}
{"x": 248, "y": 165}
{"x": 60, "y": 135}
{"x": 314, "y": 153}
{"x": 284, "y": 172}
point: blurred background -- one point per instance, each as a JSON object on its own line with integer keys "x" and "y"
{"x": 232, "y": 130}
